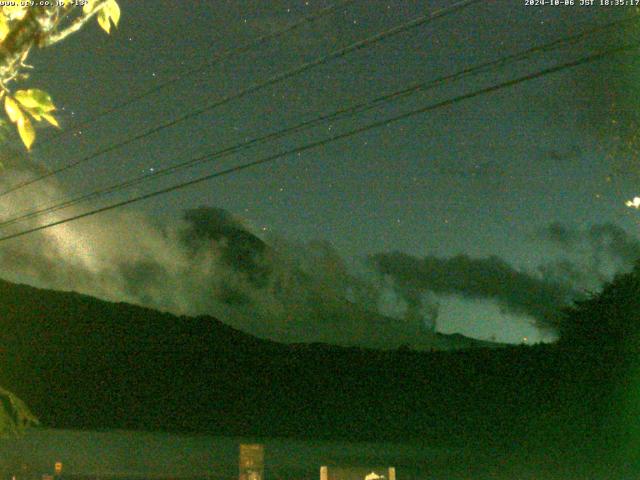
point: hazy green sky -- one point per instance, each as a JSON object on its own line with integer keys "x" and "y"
{"x": 479, "y": 178}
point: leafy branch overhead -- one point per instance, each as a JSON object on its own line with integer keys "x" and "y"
{"x": 23, "y": 28}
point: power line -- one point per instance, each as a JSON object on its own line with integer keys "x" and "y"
{"x": 216, "y": 60}
{"x": 258, "y": 86}
{"x": 349, "y": 111}
{"x": 326, "y": 141}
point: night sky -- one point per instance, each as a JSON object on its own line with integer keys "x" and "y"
{"x": 529, "y": 181}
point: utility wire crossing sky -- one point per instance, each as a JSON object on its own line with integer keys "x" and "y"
{"x": 333, "y": 98}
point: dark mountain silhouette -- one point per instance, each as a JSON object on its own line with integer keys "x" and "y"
{"x": 89, "y": 364}
{"x": 242, "y": 250}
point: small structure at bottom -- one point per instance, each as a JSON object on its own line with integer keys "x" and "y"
{"x": 357, "y": 473}
{"x": 251, "y": 461}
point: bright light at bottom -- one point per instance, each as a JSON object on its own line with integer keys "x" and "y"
{"x": 635, "y": 203}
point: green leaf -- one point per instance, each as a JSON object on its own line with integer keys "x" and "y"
{"x": 109, "y": 13}
{"x": 103, "y": 21}
{"x": 13, "y": 109}
{"x": 4, "y": 26}
{"x": 35, "y": 99}
{"x": 51, "y": 119}
{"x": 26, "y": 131}
{"x": 113, "y": 10}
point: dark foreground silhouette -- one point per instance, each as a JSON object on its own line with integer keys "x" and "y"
{"x": 87, "y": 364}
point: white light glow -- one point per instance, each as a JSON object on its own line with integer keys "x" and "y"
{"x": 635, "y": 203}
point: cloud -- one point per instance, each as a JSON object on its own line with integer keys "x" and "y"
{"x": 477, "y": 278}
{"x": 209, "y": 262}
{"x": 558, "y": 233}
{"x": 213, "y": 262}
{"x": 585, "y": 258}
{"x": 614, "y": 241}
{"x": 240, "y": 249}
{"x": 597, "y": 251}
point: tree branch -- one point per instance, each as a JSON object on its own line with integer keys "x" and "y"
{"x": 77, "y": 24}
{"x": 14, "y": 414}
{"x": 24, "y": 32}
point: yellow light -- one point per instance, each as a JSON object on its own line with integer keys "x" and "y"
{"x": 635, "y": 203}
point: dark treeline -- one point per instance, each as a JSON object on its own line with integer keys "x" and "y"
{"x": 84, "y": 363}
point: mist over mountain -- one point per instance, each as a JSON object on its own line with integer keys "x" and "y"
{"x": 84, "y": 363}
{"x": 214, "y": 262}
